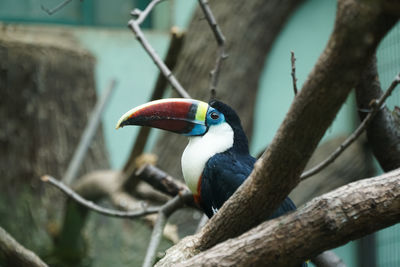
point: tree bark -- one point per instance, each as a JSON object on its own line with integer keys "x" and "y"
{"x": 359, "y": 27}
{"x": 325, "y": 222}
{"x": 250, "y": 30}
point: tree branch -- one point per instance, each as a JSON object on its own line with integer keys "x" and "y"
{"x": 92, "y": 206}
{"x": 293, "y": 73}
{"x": 324, "y": 223}
{"x": 375, "y": 107}
{"x": 134, "y": 25}
{"x": 14, "y": 254}
{"x": 219, "y": 37}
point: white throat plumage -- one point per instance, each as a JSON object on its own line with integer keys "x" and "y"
{"x": 200, "y": 149}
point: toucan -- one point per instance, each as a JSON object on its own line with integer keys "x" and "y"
{"x": 216, "y": 160}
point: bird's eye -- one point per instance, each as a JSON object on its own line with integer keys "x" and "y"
{"x": 214, "y": 115}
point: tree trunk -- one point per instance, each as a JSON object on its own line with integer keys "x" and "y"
{"x": 47, "y": 91}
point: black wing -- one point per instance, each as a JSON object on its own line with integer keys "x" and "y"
{"x": 223, "y": 174}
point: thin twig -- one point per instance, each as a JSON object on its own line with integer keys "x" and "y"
{"x": 92, "y": 206}
{"x": 375, "y": 108}
{"x": 293, "y": 73}
{"x": 166, "y": 210}
{"x": 55, "y": 9}
{"x": 220, "y": 38}
{"x": 88, "y": 134}
{"x": 134, "y": 25}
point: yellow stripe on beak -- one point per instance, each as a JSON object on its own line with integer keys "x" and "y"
{"x": 201, "y": 111}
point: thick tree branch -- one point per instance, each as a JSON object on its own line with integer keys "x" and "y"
{"x": 384, "y": 131}
{"x": 331, "y": 220}
{"x": 14, "y": 254}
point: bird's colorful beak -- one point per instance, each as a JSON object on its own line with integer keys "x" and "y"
{"x": 178, "y": 115}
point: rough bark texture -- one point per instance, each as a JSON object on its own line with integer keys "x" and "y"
{"x": 46, "y": 94}
{"x": 250, "y": 30}
{"x": 384, "y": 130}
{"x": 359, "y": 27}
{"x": 331, "y": 220}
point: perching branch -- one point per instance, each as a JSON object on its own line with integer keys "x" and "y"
{"x": 325, "y": 222}
{"x": 14, "y": 254}
{"x": 56, "y": 8}
{"x": 166, "y": 210}
{"x": 134, "y": 25}
{"x": 88, "y": 134}
{"x": 92, "y": 206}
{"x": 219, "y": 37}
{"x": 293, "y": 73}
{"x": 375, "y": 107}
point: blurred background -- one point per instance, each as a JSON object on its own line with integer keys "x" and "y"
{"x": 98, "y": 47}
